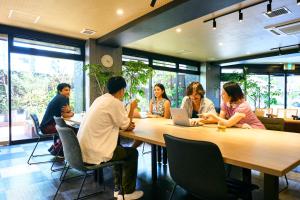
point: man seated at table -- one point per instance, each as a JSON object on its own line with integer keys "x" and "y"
{"x": 99, "y": 131}
{"x": 58, "y": 107}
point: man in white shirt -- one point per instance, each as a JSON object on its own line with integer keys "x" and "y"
{"x": 99, "y": 131}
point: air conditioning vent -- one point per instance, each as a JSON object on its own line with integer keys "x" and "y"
{"x": 88, "y": 32}
{"x": 277, "y": 12}
{"x": 286, "y": 28}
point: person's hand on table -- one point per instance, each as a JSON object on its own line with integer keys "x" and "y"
{"x": 131, "y": 126}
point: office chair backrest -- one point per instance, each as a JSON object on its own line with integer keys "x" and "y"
{"x": 36, "y": 124}
{"x": 72, "y": 151}
{"x": 276, "y": 124}
{"x": 197, "y": 166}
{"x": 60, "y": 121}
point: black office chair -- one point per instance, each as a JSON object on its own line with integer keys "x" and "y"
{"x": 40, "y": 135}
{"x": 275, "y": 124}
{"x": 73, "y": 156}
{"x": 198, "y": 167}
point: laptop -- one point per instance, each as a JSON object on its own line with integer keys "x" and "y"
{"x": 180, "y": 117}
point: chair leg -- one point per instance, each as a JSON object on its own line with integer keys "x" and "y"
{"x": 173, "y": 190}
{"x": 31, "y": 155}
{"x": 61, "y": 183}
{"x": 55, "y": 158}
{"x": 78, "y": 196}
{"x": 143, "y": 151}
{"x": 287, "y": 184}
{"x": 63, "y": 171}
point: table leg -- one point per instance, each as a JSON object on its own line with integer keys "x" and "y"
{"x": 247, "y": 179}
{"x": 165, "y": 157}
{"x": 159, "y": 154}
{"x": 247, "y": 176}
{"x": 271, "y": 187}
{"x": 153, "y": 162}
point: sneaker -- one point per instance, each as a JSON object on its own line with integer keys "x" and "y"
{"x": 135, "y": 195}
{"x": 116, "y": 193}
{"x": 51, "y": 148}
{"x": 61, "y": 154}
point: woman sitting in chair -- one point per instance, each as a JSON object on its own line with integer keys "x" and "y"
{"x": 195, "y": 103}
{"x": 160, "y": 104}
{"x": 235, "y": 111}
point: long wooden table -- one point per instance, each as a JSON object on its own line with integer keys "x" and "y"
{"x": 272, "y": 152}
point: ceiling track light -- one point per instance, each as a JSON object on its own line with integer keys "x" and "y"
{"x": 152, "y": 4}
{"x": 241, "y": 18}
{"x": 269, "y": 7}
{"x": 214, "y": 24}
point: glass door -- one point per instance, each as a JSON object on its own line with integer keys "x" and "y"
{"x": 34, "y": 80}
{"x": 4, "y": 127}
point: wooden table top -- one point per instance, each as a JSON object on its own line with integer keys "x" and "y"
{"x": 271, "y": 152}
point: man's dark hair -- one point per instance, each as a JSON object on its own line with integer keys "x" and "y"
{"x": 61, "y": 86}
{"x": 195, "y": 87}
{"x": 234, "y": 91}
{"x": 115, "y": 84}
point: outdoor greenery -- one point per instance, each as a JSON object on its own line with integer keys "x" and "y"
{"x": 255, "y": 91}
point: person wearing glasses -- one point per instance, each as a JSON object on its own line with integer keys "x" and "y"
{"x": 196, "y": 104}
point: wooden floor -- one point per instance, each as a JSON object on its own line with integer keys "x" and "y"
{"x": 19, "y": 181}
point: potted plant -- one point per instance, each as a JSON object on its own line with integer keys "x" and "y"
{"x": 100, "y": 74}
{"x": 136, "y": 75}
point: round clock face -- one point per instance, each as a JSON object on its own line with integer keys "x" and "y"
{"x": 107, "y": 61}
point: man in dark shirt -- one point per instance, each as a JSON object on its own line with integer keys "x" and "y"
{"x": 59, "y": 107}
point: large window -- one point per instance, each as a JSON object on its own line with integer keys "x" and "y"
{"x": 32, "y": 64}
{"x": 293, "y": 92}
{"x": 258, "y": 91}
{"x": 34, "y": 81}
{"x": 277, "y": 92}
{"x": 174, "y": 74}
{"x": 4, "y": 134}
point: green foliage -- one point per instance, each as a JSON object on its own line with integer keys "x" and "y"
{"x": 100, "y": 73}
{"x": 253, "y": 89}
{"x": 136, "y": 75}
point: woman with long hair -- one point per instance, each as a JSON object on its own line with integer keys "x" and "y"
{"x": 235, "y": 110}
{"x": 159, "y": 106}
{"x": 160, "y": 103}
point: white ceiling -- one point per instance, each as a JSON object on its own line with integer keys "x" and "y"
{"x": 69, "y": 17}
{"x": 198, "y": 41}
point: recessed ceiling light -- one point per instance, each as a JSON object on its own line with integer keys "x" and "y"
{"x": 120, "y": 12}
{"x": 178, "y": 30}
{"x": 220, "y": 44}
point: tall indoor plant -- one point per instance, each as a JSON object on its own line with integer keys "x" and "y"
{"x": 136, "y": 75}
{"x": 100, "y": 74}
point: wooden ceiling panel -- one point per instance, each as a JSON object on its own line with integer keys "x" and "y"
{"x": 69, "y": 17}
